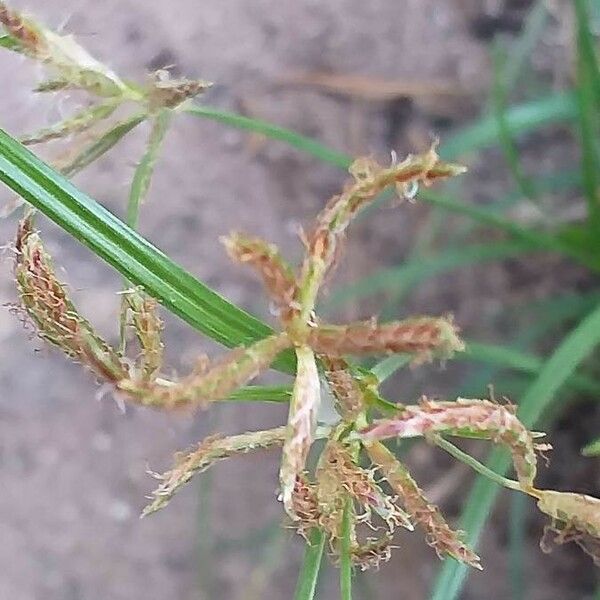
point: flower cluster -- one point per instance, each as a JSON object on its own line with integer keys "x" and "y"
{"x": 357, "y": 478}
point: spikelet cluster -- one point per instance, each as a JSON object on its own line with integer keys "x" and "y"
{"x": 355, "y": 471}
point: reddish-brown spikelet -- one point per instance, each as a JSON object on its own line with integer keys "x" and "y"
{"x": 45, "y": 300}
{"x": 277, "y": 275}
{"x": 483, "y": 418}
{"x": 338, "y": 464}
{"x": 425, "y": 337}
{"x": 206, "y": 385}
{"x": 372, "y": 553}
{"x": 305, "y": 505}
{"x": 208, "y": 452}
{"x": 439, "y": 535}
{"x": 30, "y": 37}
{"x": 304, "y": 405}
{"x": 345, "y": 388}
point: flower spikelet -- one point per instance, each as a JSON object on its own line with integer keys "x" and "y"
{"x": 277, "y": 275}
{"x": 425, "y": 337}
{"x": 26, "y": 32}
{"x": 208, "y": 452}
{"x": 575, "y": 517}
{"x": 439, "y": 535}
{"x": 345, "y": 387}
{"x": 47, "y": 303}
{"x": 148, "y": 327}
{"x": 474, "y": 418}
{"x": 208, "y": 384}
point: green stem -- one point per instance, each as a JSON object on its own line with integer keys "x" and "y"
{"x": 475, "y": 464}
{"x": 309, "y": 573}
{"x": 345, "y": 553}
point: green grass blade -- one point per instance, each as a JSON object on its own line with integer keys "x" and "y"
{"x": 540, "y": 396}
{"x": 260, "y": 393}
{"x": 309, "y": 573}
{"x": 291, "y": 138}
{"x": 121, "y": 247}
{"x": 525, "y": 117}
{"x": 410, "y": 274}
{"x": 103, "y": 144}
{"x": 9, "y": 42}
{"x": 511, "y": 154}
{"x": 516, "y": 545}
{"x": 143, "y": 173}
{"x": 592, "y": 449}
{"x": 524, "y": 362}
{"x": 345, "y": 553}
{"x": 520, "y": 52}
{"x": 522, "y": 118}
{"x": 587, "y": 92}
{"x": 491, "y": 218}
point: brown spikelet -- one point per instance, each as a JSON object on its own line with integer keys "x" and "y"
{"x": 166, "y": 92}
{"x": 370, "y": 179}
{"x": 148, "y": 327}
{"x": 346, "y": 389}
{"x": 277, "y": 275}
{"x": 423, "y": 336}
{"x": 206, "y": 385}
{"x": 372, "y": 553}
{"x": 45, "y": 300}
{"x": 304, "y": 405}
{"x": 338, "y": 464}
{"x": 208, "y": 452}
{"x": 480, "y": 418}
{"x": 305, "y": 505}
{"x": 31, "y": 39}
{"x": 439, "y": 535}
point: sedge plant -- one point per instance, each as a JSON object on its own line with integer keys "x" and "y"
{"x": 359, "y": 493}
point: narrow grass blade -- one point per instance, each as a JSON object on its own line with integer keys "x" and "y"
{"x": 309, "y": 573}
{"x": 145, "y": 168}
{"x": 103, "y": 144}
{"x": 259, "y": 393}
{"x": 511, "y": 154}
{"x": 522, "y": 118}
{"x": 520, "y": 52}
{"x": 524, "y": 362}
{"x": 125, "y": 250}
{"x": 345, "y": 553}
{"x": 516, "y": 545}
{"x": 588, "y": 93}
{"x": 540, "y": 396}
{"x": 412, "y": 273}
{"x": 9, "y": 42}
{"x": 592, "y": 449}
{"x": 489, "y": 217}
{"x": 291, "y": 138}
